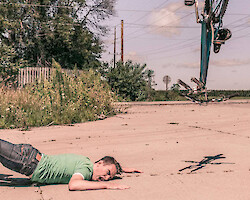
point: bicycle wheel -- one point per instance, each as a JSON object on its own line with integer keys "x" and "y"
{"x": 216, "y": 9}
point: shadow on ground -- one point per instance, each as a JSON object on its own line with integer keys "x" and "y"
{"x": 7, "y": 180}
{"x": 207, "y": 160}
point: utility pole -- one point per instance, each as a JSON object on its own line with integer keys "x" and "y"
{"x": 114, "y": 46}
{"x": 122, "y": 40}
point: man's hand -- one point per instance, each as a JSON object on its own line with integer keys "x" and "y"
{"x": 116, "y": 186}
{"x": 78, "y": 183}
{"x": 131, "y": 170}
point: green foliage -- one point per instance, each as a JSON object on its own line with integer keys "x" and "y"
{"x": 239, "y": 93}
{"x": 82, "y": 49}
{"x": 176, "y": 87}
{"x": 173, "y": 95}
{"x": 65, "y": 30}
{"x": 131, "y": 81}
{"x": 9, "y": 65}
{"x": 170, "y": 95}
{"x": 63, "y": 100}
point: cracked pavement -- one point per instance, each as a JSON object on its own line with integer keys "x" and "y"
{"x": 159, "y": 138}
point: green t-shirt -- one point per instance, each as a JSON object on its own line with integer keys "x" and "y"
{"x": 60, "y": 168}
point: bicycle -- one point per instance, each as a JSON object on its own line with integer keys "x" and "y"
{"x": 211, "y": 33}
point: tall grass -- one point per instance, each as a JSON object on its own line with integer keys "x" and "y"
{"x": 62, "y": 100}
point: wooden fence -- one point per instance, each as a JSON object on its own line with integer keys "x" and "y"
{"x": 31, "y": 74}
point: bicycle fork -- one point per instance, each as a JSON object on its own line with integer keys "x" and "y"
{"x": 206, "y": 41}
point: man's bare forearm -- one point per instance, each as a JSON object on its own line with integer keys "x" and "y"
{"x": 131, "y": 170}
{"x": 93, "y": 185}
{"x": 86, "y": 185}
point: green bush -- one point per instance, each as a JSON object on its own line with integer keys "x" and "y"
{"x": 170, "y": 95}
{"x": 131, "y": 81}
{"x": 9, "y": 65}
{"x": 62, "y": 100}
{"x": 238, "y": 93}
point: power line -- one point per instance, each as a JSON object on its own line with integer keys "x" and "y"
{"x": 240, "y": 25}
{"x": 158, "y": 27}
{"x": 35, "y": 5}
{"x": 161, "y": 17}
{"x": 148, "y": 14}
{"x": 154, "y": 8}
{"x": 141, "y": 26}
{"x": 167, "y": 49}
{"x": 161, "y": 26}
{"x": 162, "y": 4}
{"x": 170, "y": 56}
{"x": 151, "y": 25}
{"x": 176, "y": 46}
{"x": 149, "y": 11}
{"x": 182, "y": 45}
{"x": 238, "y": 20}
{"x": 246, "y": 35}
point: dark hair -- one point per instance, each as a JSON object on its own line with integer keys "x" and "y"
{"x": 107, "y": 160}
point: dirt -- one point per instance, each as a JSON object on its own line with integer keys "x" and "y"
{"x": 187, "y": 151}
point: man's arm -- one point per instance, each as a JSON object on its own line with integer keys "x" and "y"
{"x": 131, "y": 170}
{"x": 78, "y": 183}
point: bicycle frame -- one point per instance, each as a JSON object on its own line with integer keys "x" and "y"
{"x": 211, "y": 23}
{"x": 208, "y": 33}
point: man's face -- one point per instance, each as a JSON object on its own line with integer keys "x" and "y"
{"x": 102, "y": 172}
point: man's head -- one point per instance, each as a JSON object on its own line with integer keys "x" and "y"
{"x": 105, "y": 169}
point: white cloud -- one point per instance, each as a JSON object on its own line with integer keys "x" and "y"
{"x": 164, "y": 20}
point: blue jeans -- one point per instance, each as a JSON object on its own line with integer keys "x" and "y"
{"x": 21, "y": 158}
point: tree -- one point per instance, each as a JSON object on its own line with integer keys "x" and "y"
{"x": 150, "y": 78}
{"x": 9, "y": 65}
{"x": 129, "y": 80}
{"x": 67, "y": 30}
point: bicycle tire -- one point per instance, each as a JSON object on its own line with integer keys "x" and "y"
{"x": 215, "y": 14}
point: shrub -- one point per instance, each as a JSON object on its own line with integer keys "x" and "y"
{"x": 62, "y": 100}
{"x": 131, "y": 81}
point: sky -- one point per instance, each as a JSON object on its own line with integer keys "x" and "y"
{"x": 164, "y": 35}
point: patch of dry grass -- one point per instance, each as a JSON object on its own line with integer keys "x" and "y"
{"x": 63, "y": 100}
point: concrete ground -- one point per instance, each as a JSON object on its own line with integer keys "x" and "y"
{"x": 167, "y": 140}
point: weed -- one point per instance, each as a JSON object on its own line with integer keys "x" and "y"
{"x": 61, "y": 100}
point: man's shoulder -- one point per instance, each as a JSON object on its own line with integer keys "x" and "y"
{"x": 69, "y": 157}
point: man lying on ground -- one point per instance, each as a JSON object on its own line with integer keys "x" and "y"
{"x": 75, "y": 170}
